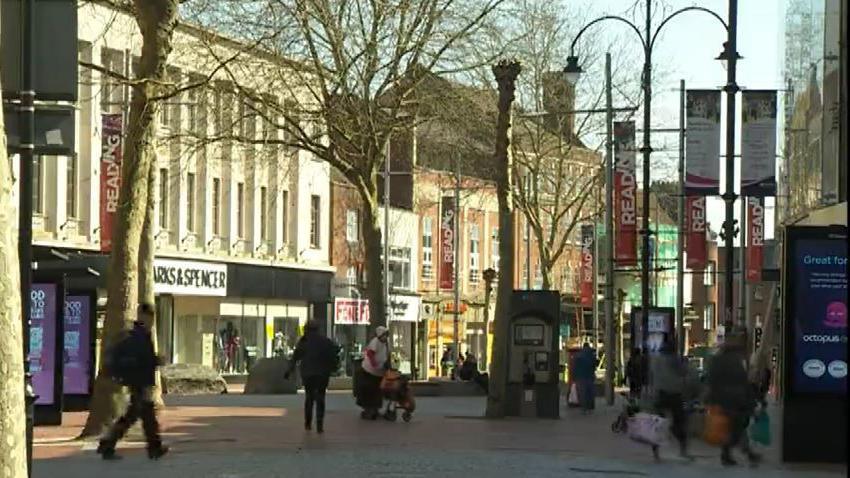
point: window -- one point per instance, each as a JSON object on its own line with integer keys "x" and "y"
{"x": 494, "y": 249}
{"x": 474, "y": 262}
{"x": 264, "y": 218}
{"x": 708, "y": 317}
{"x": 284, "y": 221}
{"x": 190, "y": 202}
{"x": 538, "y": 277}
{"x": 352, "y": 226}
{"x": 71, "y": 188}
{"x": 216, "y": 206}
{"x": 240, "y": 210}
{"x": 247, "y": 119}
{"x": 399, "y": 267}
{"x": 427, "y": 248}
{"x": 163, "y": 198}
{"x": 708, "y": 279}
{"x": 38, "y": 185}
{"x": 193, "y": 107}
{"x": 315, "y": 221}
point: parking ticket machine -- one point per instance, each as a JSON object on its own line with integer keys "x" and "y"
{"x": 533, "y": 359}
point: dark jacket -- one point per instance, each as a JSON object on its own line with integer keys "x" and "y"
{"x": 636, "y": 370}
{"x": 139, "y": 345}
{"x": 317, "y": 355}
{"x": 585, "y": 365}
{"x": 728, "y": 383}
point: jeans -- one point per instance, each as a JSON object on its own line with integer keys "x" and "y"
{"x": 314, "y": 391}
{"x": 141, "y": 407}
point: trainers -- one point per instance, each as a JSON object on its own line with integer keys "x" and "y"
{"x": 107, "y": 452}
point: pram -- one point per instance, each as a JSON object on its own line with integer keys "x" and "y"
{"x": 396, "y": 390}
{"x": 630, "y": 409}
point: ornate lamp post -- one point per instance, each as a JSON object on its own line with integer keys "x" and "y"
{"x": 647, "y": 38}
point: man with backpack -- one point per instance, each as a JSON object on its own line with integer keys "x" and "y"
{"x": 319, "y": 358}
{"x": 132, "y": 362}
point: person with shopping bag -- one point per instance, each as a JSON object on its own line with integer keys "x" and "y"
{"x": 667, "y": 375}
{"x": 730, "y": 393}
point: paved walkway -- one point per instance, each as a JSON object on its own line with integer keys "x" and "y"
{"x": 246, "y": 436}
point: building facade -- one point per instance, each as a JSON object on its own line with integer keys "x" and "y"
{"x": 241, "y": 231}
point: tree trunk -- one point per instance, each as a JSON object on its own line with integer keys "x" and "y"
{"x": 374, "y": 264}
{"x": 147, "y": 248}
{"x": 157, "y": 20}
{"x": 506, "y": 73}
{"x": 13, "y": 448}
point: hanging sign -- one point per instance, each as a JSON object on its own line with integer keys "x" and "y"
{"x": 625, "y": 194}
{"x": 702, "y": 147}
{"x": 755, "y": 238}
{"x": 448, "y": 216}
{"x": 695, "y": 243}
{"x": 758, "y": 144}
{"x": 110, "y": 175}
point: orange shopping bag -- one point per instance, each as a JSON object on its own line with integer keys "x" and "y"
{"x": 716, "y": 428}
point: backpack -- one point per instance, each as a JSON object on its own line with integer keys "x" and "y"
{"x": 119, "y": 359}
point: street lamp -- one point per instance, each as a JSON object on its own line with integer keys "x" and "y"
{"x": 647, "y": 39}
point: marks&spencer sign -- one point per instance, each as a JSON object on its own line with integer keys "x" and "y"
{"x": 190, "y": 278}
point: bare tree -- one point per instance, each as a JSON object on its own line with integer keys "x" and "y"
{"x": 13, "y": 450}
{"x": 506, "y": 73}
{"x": 157, "y": 20}
{"x": 351, "y": 86}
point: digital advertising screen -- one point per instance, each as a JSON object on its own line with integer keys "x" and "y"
{"x": 817, "y": 284}
{"x": 42, "y": 355}
{"x": 77, "y": 350}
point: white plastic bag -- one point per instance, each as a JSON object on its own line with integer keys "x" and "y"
{"x": 647, "y": 428}
{"x": 573, "y": 396}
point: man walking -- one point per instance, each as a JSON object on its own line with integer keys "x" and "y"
{"x": 133, "y": 363}
{"x": 668, "y": 381}
{"x": 318, "y": 356}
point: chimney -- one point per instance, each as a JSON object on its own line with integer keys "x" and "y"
{"x": 559, "y": 100}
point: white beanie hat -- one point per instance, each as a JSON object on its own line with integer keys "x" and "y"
{"x": 381, "y": 330}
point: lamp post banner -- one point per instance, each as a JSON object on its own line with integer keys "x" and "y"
{"x": 448, "y": 216}
{"x": 755, "y": 238}
{"x": 695, "y": 243}
{"x": 110, "y": 175}
{"x": 587, "y": 272}
{"x": 625, "y": 194}
{"x": 758, "y": 144}
{"x": 702, "y": 147}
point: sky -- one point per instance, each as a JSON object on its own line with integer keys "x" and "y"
{"x": 687, "y": 48}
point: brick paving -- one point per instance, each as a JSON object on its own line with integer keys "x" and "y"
{"x": 236, "y": 436}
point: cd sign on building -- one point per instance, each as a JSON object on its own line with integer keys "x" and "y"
{"x": 190, "y": 278}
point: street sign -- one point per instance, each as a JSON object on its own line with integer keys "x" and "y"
{"x": 54, "y": 130}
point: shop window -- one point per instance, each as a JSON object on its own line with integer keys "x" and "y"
{"x": 400, "y": 268}
{"x": 708, "y": 317}
{"x": 315, "y": 221}
{"x": 216, "y": 206}
{"x": 494, "y": 249}
{"x": 190, "y": 202}
{"x": 710, "y": 270}
{"x": 264, "y": 214}
{"x": 163, "y": 198}
{"x": 38, "y": 185}
{"x": 240, "y": 210}
{"x": 284, "y": 222}
{"x": 474, "y": 260}
{"x": 427, "y": 248}
{"x": 352, "y": 226}
{"x": 71, "y": 187}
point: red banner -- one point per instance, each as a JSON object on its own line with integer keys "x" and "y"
{"x": 755, "y": 238}
{"x": 448, "y": 217}
{"x": 586, "y": 289}
{"x": 110, "y": 175}
{"x": 351, "y": 311}
{"x": 625, "y": 194}
{"x": 695, "y": 245}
